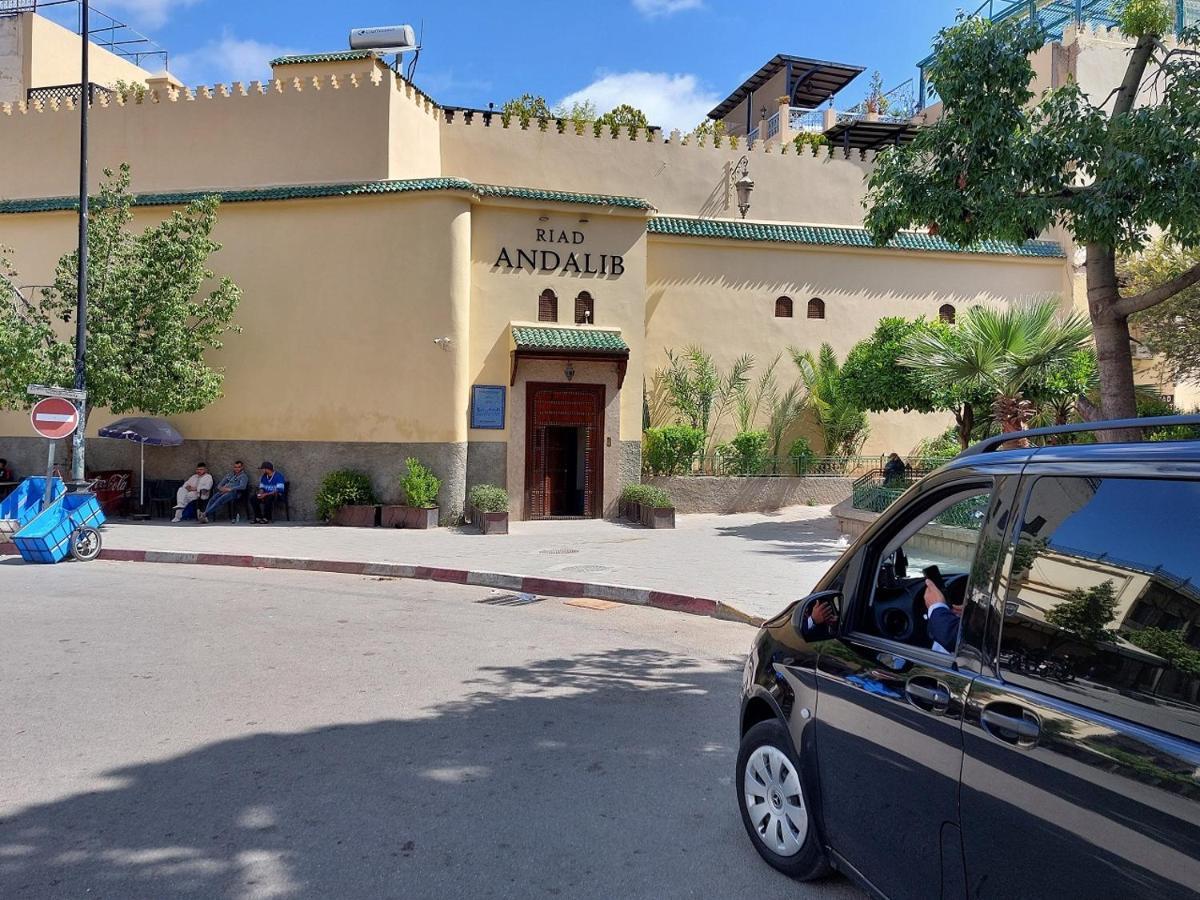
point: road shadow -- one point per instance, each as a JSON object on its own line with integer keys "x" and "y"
{"x": 807, "y": 540}
{"x": 603, "y": 775}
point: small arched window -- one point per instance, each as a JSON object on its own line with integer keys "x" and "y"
{"x": 946, "y": 313}
{"x": 548, "y": 306}
{"x": 783, "y": 308}
{"x": 816, "y": 308}
{"x": 585, "y": 309}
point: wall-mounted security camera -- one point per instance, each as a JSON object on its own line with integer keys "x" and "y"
{"x": 443, "y": 342}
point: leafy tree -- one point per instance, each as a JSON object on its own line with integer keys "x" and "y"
{"x": 1172, "y": 328}
{"x": 1003, "y": 352}
{"x": 149, "y": 325}
{"x": 1087, "y": 612}
{"x": 1001, "y": 164}
{"x": 624, "y": 116}
{"x": 875, "y": 379}
{"x": 1170, "y": 645}
{"x": 842, "y": 422}
{"x": 526, "y": 108}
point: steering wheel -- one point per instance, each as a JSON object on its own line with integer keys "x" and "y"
{"x": 902, "y": 617}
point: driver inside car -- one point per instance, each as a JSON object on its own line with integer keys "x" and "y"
{"x": 943, "y": 619}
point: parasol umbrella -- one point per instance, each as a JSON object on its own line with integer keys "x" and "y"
{"x": 143, "y": 431}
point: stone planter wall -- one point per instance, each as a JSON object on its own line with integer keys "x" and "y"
{"x": 945, "y": 541}
{"x": 356, "y": 516}
{"x": 733, "y": 494}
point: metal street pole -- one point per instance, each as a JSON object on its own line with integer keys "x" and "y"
{"x": 77, "y": 460}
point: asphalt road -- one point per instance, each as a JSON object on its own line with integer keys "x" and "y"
{"x": 177, "y": 731}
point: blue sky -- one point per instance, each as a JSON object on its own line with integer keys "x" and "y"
{"x": 673, "y": 58}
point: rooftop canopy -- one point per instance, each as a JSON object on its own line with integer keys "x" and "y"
{"x": 810, "y": 82}
{"x": 855, "y": 131}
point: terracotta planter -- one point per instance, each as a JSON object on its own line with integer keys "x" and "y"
{"x": 356, "y": 516}
{"x": 415, "y": 517}
{"x": 392, "y": 516}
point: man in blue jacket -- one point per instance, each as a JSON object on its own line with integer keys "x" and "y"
{"x": 270, "y": 489}
{"x": 943, "y": 621}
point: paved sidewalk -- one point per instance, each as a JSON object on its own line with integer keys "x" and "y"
{"x": 754, "y": 562}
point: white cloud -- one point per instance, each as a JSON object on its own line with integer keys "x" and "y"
{"x": 147, "y": 13}
{"x": 229, "y": 59}
{"x": 652, "y": 9}
{"x": 670, "y": 101}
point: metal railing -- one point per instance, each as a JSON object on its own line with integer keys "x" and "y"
{"x": 67, "y": 92}
{"x": 861, "y": 467}
{"x": 1053, "y": 16}
{"x": 772, "y": 126}
{"x": 807, "y": 119}
{"x": 105, "y": 31}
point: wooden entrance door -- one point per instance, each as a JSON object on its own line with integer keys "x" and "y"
{"x": 564, "y": 450}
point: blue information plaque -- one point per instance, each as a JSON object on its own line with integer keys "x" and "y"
{"x": 487, "y": 405}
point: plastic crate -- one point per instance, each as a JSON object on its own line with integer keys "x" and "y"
{"x": 25, "y": 502}
{"x": 47, "y": 538}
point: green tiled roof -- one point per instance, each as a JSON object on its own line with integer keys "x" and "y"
{"x": 827, "y": 236}
{"x": 339, "y": 56}
{"x": 528, "y": 337}
{"x": 308, "y": 191}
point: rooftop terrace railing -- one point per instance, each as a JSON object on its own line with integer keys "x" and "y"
{"x": 1054, "y": 16}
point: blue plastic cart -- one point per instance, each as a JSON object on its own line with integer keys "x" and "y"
{"x": 19, "y": 507}
{"x": 70, "y": 525}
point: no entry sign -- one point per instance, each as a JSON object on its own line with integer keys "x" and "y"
{"x": 54, "y": 418}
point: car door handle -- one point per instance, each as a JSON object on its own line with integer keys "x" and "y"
{"x": 1024, "y": 726}
{"x": 935, "y": 695}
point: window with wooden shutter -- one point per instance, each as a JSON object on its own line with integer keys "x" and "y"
{"x": 783, "y": 308}
{"x": 548, "y": 306}
{"x": 816, "y": 308}
{"x": 585, "y": 309}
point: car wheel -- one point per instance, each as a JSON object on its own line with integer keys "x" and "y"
{"x": 773, "y": 803}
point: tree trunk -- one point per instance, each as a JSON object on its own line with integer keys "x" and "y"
{"x": 1114, "y": 359}
{"x": 965, "y": 419}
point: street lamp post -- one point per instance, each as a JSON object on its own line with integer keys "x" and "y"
{"x": 77, "y": 460}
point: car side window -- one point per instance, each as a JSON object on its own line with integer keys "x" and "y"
{"x": 1102, "y": 606}
{"x": 939, "y": 542}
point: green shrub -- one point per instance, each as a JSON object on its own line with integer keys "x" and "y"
{"x": 345, "y": 487}
{"x": 802, "y": 455}
{"x": 670, "y": 450}
{"x": 944, "y": 446}
{"x": 647, "y": 495}
{"x": 420, "y": 485}
{"x": 746, "y": 454}
{"x": 488, "y": 498}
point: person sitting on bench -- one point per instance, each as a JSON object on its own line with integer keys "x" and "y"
{"x": 229, "y": 488}
{"x": 195, "y": 488}
{"x": 270, "y": 489}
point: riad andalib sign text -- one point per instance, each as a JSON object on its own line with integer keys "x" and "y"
{"x": 562, "y": 258}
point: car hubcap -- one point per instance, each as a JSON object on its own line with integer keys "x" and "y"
{"x": 775, "y": 800}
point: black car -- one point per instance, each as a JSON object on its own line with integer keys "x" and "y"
{"x": 1035, "y": 735}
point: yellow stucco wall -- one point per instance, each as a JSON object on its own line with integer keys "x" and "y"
{"x": 342, "y": 302}
{"x": 500, "y": 295}
{"x": 721, "y": 296}
{"x": 36, "y": 52}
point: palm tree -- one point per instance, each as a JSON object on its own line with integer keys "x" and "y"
{"x": 843, "y": 425}
{"x": 1003, "y": 351}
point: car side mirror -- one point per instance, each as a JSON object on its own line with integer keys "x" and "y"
{"x": 804, "y": 610}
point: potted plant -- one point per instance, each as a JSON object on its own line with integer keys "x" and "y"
{"x": 487, "y": 506}
{"x": 421, "y": 488}
{"x": 649, "y": 506}
{"x": 347, "y": 498}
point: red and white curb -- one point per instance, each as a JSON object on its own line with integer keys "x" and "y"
{"x": 530, "y": 584}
